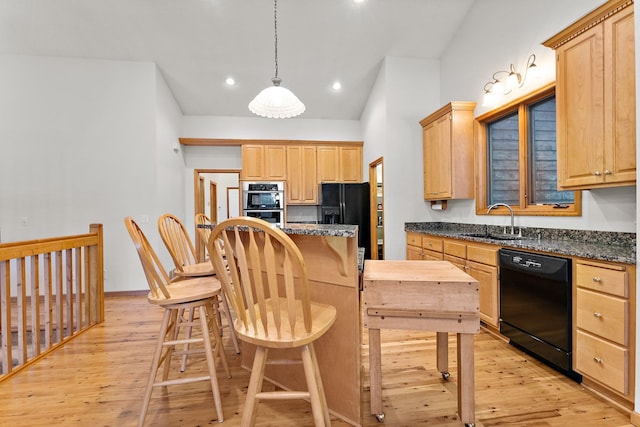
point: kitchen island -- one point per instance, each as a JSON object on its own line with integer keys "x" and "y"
{"x": 331, "y": 256}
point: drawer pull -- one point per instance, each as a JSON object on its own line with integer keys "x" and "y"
{"x": 597, "y": 359}
{"x": 597, "y": 315}
{"x": 597, "y": 279}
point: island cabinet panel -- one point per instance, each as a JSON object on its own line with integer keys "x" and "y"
{"x": 595, "y": 98}
{"x": 447, "y": 148}
{"x": 604, "y": 330}
{"x": 302, "y": 181}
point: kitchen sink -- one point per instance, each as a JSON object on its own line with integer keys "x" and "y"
{"x": 492, "y": 236}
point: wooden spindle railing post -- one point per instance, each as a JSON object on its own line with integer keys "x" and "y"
{"x": 96, "y": 277}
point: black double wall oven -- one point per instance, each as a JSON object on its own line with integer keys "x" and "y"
{"x": 264, "y": 200}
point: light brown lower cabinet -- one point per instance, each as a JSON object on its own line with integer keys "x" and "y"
{"x": 604, "y": 308}
{"x": 481, "y": 263}
{"x": 604, "y": 311}
{"x": 420, "y": 247}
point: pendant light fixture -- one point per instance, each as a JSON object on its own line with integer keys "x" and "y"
{"x": 276, "y": 102}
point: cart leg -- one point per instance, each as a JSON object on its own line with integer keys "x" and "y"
{"x": 375, "y": 374}
{"x": 466, "y": 383}
{"x": 442, "y": 354}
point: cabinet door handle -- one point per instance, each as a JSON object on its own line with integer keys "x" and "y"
{"x": 596, "y": 279}
{"x": 597, "y": 173}
{"x": 597, "y": 359}
{"x": 597, "y": 315}
{"x": 607, "y": 172}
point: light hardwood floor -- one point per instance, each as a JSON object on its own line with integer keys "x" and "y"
{"x": 98, "y": 380}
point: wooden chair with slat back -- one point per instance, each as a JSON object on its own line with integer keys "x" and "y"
{"x": 196, "y": 294}
{"x": 180, "y": 247}
{"x": 204, "y": 227}
{"x": 267, "y": 286}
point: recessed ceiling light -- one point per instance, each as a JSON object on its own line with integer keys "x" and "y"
{"x": 230, "y": 81}
{"x": 358, "y": 1}
{"x": 336, "y": 85}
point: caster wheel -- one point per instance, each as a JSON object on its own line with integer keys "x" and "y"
{"x": 446, "y": 376}
{"x": 470, "y": 424}
{"x": 380, "y": 418}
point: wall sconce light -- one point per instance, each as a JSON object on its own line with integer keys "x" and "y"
{"x": 505, "y": 81}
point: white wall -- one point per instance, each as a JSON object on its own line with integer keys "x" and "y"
{"x": 261, "y": 128}
{"x": 79, "y": 147}
{"x": 494, "y": 34}
{"x": 406, "y": 89}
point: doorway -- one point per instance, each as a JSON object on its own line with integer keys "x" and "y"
{"x": 213, "y": 201}
{"x": 377, "y": 208}
{"x": 219, "y": 202}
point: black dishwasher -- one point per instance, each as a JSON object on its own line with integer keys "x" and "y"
{"x": 535, "y": 306}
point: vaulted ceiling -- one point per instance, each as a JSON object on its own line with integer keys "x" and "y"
{"x": 197, "y": 44}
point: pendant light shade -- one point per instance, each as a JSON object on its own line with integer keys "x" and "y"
{"x": 276, "y": 102}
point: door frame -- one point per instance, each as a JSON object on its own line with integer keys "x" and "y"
{"x": 373, "y": 202}
{"x": 198, "y": 200}
{"x": 213, "y": 202}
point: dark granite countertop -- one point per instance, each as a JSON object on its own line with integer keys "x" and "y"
{"x": 597, "y": 245}
{"x": 337, "y": 230}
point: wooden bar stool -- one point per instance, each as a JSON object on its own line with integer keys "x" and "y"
{"x": 197, "y": 294}
{"x": 204, "y": 227}
{"x": 180, "y": 247}
{"x": 266, "y": 283}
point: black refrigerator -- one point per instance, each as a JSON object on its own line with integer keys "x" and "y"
{"x": 348, "y": 204}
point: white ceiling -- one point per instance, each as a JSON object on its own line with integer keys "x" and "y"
{"x": 198, "y": 43}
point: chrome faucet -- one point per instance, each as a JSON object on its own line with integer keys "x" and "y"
{"x": 495, "y": 205}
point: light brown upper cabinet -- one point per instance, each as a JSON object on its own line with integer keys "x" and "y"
{"x": 264, "y": 162}
{"x": 448, "y": 152}
{"x": 339, "y": 163}
{"x": 302, "y": 182}
{"x": 595, "y": 92}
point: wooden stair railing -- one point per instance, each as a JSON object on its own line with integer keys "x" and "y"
{"x": 50, "y": 291}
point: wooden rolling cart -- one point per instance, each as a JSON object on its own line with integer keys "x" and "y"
{"x": 423, "y": 295}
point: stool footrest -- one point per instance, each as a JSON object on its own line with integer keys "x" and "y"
{"x": 282, "y": 395}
